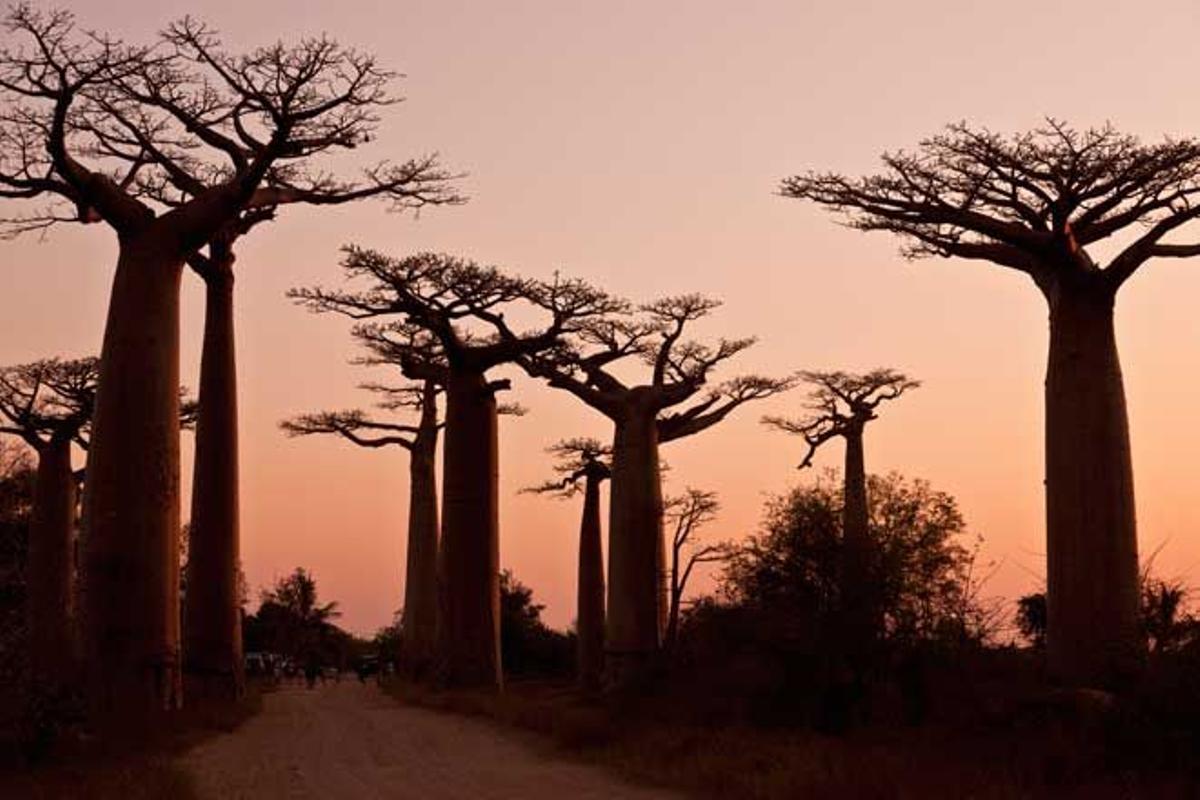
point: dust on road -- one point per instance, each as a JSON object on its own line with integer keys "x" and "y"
{"x": 349, "y": 740}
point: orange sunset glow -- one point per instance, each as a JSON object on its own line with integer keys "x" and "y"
{"x": 641, "y": 400}
{"x": 640, "y": 146}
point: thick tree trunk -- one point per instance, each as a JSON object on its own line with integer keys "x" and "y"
{"x": 857, "y": 589}
{"x": 131, "y": 509}
{"x": 52, "y": 646}
{"x": 420, "y": 583}
{"x": 1093, "y": 636}
{"x": 590, "y": 602}
{"x": 637, "y": 604}
{"x": 212, "y": 626}
{"x": 469, "y": 560}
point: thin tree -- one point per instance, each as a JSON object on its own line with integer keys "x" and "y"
{"x": 463, "y": 306}
{"x": 1041, "y": 203}
{"x": 48, "y": 405}
{"x": 686, "y": 514}
{"x": 643, "y": 418}
{"x": 418, "y": 627}
{"x": 585, "y": 461}
{"x": 113, "y": 131}
{"x": 840, "y": 406}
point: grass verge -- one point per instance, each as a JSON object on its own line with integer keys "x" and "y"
{"x": 1033, "y": 753}
{"x": 144, "y": 769}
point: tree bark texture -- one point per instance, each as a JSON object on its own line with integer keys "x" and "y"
{"x": 212, "y": 627}
{"x": 590, "y": 587}
{"x": 637, "y": 605}
{"x": 1093, "y": 635}
{"x": 420, "y": 584}
{"x": 131, "y": 509}
{"x": 50, "y": 582}
{"x": 469, "y": 559}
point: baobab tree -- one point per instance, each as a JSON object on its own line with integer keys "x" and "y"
{"x": 419, "y": 621}
{"x": 686, "y": 514}
{"x": 111, "y": 130}
{"x": 48, "y": 405}
{"x": 1042, "y": 203}
{"x": 643, "y": 418}
{"x": 585, "y": 461}
{"x": 840, "y": 405}
{"x": 463, "y": 306}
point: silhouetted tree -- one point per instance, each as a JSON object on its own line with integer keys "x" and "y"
{"x": 1164, "y": 616}
{"x": 643, "y": 419}
{"x": 168, "y": 145}
{"x": 48, "y": 404}
{"x": 793, "y": 566}
{"x": 840, "y": 406}
{"x": 531, "y": 648}
{"x": 1031, "y": 619}
{"x": 1035, "y": 203}
{"x": 463, "y": 306}
{"x": 686, "y": 514}
{"x": 290, "y": 618}
{"x": 1165, "y": 622}
{"x": 17, "y": 478}
{"x": 419, "y": 619}
{"x": 585, "y": 461}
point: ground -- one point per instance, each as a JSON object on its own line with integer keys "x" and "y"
{"x": 349, "y": 740}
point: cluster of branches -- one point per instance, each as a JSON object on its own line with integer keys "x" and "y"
{"x": 679, "y": 368}
{"x": 576, "y": 460}
{"x": 452, "y": 311}
{"x": 123, "y": 133}
{"x": 362, "y": 429}
{"x": 48, "y": 399}
{"x": 1031, "y": 202}
{"x": 840, "y": 404}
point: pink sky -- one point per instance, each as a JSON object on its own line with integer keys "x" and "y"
{"x": 640, "y": 145}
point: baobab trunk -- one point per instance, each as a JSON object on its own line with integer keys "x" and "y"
{"x": 469, "y": 560}
{"x": 590, "y": 602}
{"x": 857, "y": 588}
{"x": 131, "y": 508}
{"x": 52, "y": 646}
{"x": 1093, "y": 636}
{"x": 212, "y": 627}
{"x": 420, "y": 582}
{"x": 636, "y": 551}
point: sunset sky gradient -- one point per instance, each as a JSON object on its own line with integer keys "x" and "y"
{"x": 640, "y": 145}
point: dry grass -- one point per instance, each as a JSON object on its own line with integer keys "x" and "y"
{"x": 1029, "y": 754}
{"x": 138, "y": 769}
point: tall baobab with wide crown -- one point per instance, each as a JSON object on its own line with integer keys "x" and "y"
{"x": 420, "y": 439}
{"x": 1043, "y": 203}
{"x": 585, "y": 461}
{"x": 48, "y": 405}
{"x": 840, "y": 406}
{"x": 114, "y": 131}
{"x": 463, "y": 306}
{"x": 644, "y": 416}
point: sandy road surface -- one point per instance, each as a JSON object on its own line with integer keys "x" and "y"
{"x": 348, "y": 740}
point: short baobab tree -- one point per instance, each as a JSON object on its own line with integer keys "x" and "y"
{"x": 419, "y": 438}
{"x": 463, "y": 306}
{"x": 583, "y": 466}
{"x": 1043, "y": 203}
{"x": 840, "y": 406}
{"x": 168, "y": 145}
{"x": 48, "y": 405}
{"x": 672, "y": 403}
{"x": 685, "y": 515}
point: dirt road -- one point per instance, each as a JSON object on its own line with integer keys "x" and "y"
{"x": 347, "y": 740}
